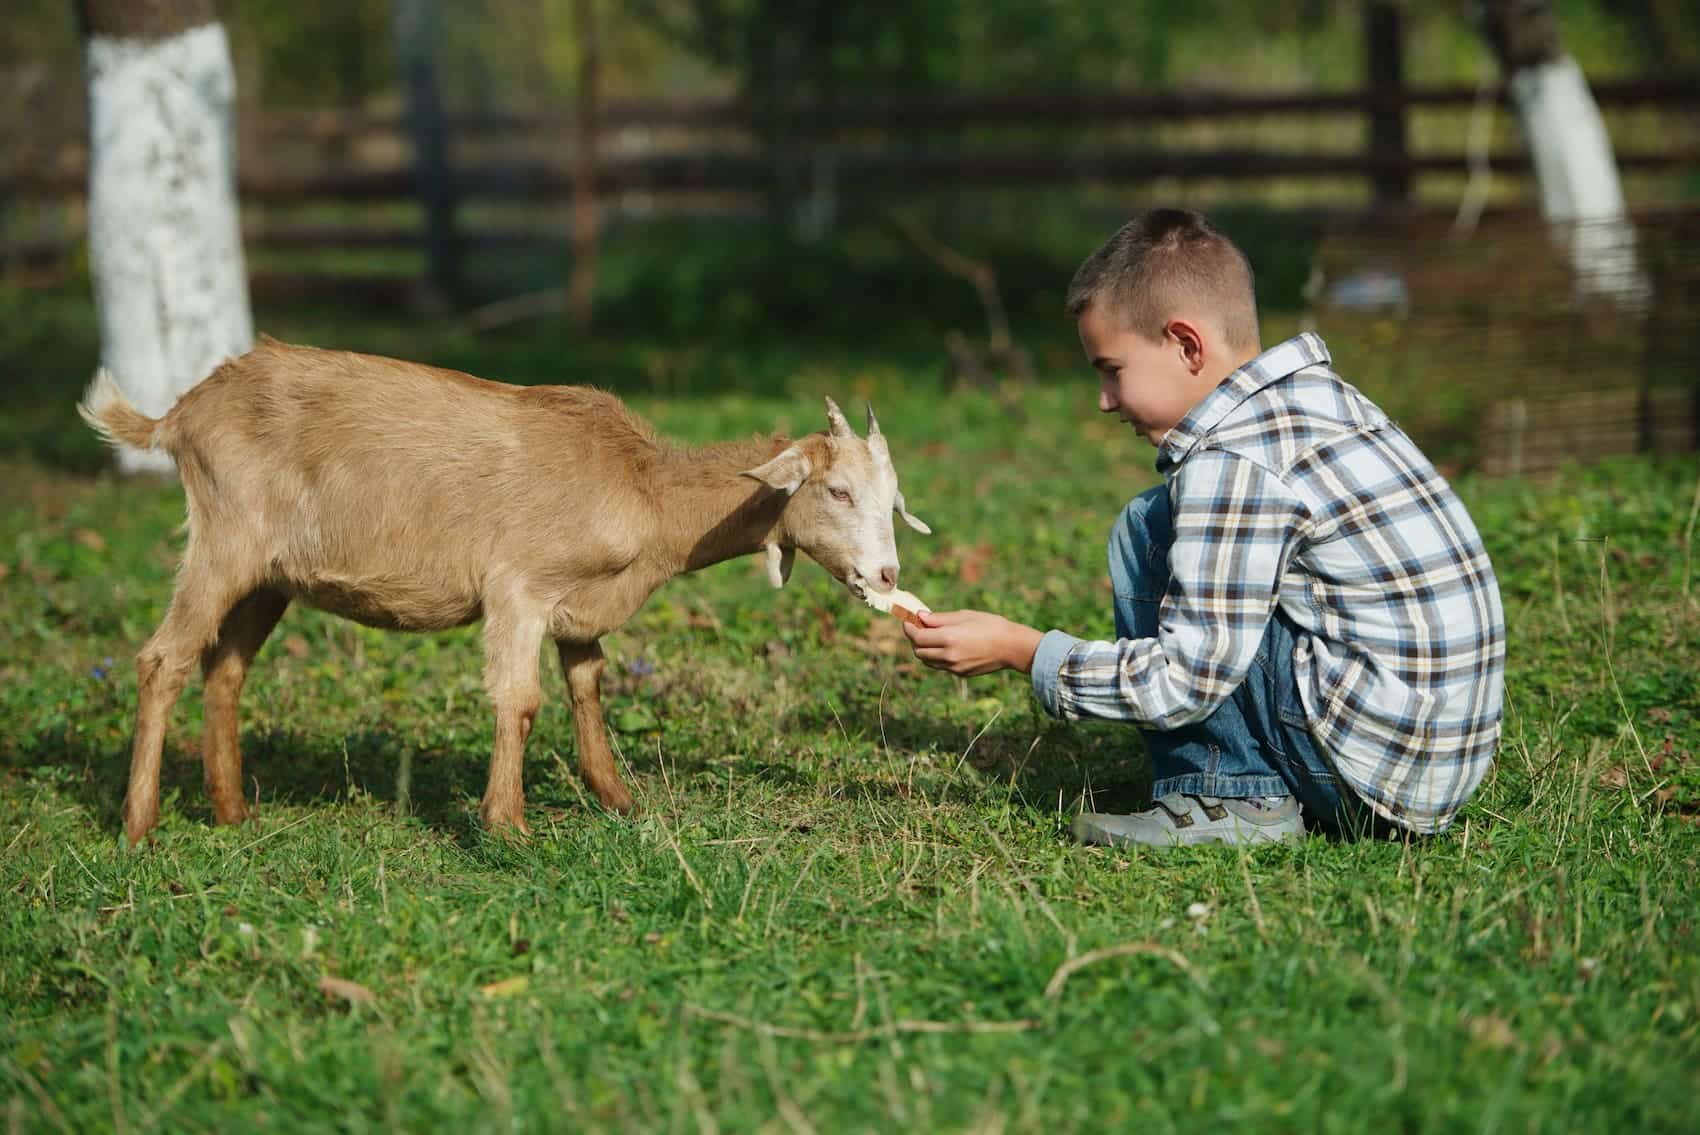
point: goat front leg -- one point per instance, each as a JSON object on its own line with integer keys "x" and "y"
{"x": 511, "y": 639}
{"x": 582, "y": 663}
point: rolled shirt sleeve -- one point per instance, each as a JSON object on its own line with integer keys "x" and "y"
{"x": 1236, "y": 527}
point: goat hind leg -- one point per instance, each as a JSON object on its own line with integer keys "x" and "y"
{"x": 583, "y": 664}
{"x": 205, "y": 594}
{"x": 225, "y": 667}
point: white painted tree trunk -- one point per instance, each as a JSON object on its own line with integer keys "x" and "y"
{"x": 165, "y": 242}
{"x": 1581, "y": 196}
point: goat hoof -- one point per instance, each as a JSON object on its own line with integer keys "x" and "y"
{"x": 620, "y": 802}
{"x": 226, "y": 814}
{"x": 506, "y": 822}
{"x": 138, "y": 826}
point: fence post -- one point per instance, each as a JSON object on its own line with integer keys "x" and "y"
{"x": 1384, "y": 56}
{"x": 581, "y": 285}
{"x": 416, "y": 47}
{"x": 1644, "y": 426}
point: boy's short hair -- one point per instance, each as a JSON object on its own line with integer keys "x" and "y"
{"x": 1161, "y": 260}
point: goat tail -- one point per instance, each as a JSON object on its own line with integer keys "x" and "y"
{"x": 110, "y": 415}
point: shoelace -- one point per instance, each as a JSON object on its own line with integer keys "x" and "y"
{"x": 1261, "y": 803}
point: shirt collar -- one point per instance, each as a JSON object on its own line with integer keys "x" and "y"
{"x": 1302, "y": 350}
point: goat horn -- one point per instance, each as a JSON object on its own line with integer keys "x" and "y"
{"x": 835, "y": 417}
{"x": 873, "y": 423}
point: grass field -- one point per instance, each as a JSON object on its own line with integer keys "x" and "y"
{"x": 850, "y": 903}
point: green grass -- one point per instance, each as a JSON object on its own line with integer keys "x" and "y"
{"x": 850, "y": 904}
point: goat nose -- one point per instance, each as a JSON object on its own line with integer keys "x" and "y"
{"x": 888, "y": 575}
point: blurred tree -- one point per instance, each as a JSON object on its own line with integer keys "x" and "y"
{"x": 331, "y": 55}
{"x": 1580, "y": 193}
{"x": 165, "y": 247}
{"x": 417, "y": 31}
{"x": 792, "y": 60}
{"x": 1667, "y": 31}
{"x": 523, "y": 52}
{"x": 581, "y": 288}
{"x": 526, "y": 54}
{"x": 795, "y": 60}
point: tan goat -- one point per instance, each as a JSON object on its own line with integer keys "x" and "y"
{"x": 412, "y": 498}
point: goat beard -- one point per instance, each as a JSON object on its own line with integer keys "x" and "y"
{"x": 779, "y": 562}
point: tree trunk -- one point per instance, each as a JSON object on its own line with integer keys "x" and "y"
{"x": 581, "y": 287}
{"x": 416, "y": 24}
{"x": 1580, "y": 193}
{"x": 165, "y": 242}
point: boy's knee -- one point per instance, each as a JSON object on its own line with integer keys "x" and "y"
{"x": 1144, "y": 524}
{"x": 1148, "y": 512}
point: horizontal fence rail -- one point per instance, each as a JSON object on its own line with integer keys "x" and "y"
{"x": 329, "y": 183}
{"x": 508, "y": 180}
{"x": 690, "y": 156}
{"x": 736, "y": 168}
{"x": 956, "y": 110}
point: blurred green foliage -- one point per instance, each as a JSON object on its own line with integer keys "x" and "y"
{"x": 502, "y": 52}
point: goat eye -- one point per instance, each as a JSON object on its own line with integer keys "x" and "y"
{"x": 842, "y": 495}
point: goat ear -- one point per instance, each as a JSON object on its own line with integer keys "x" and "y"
{"x": 909, "y": 518}
{"x": 779, "y": 561}
{"x": 835, "y": 418}
{"x": 786, "y": 472}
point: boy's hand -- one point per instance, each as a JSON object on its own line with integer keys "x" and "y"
{"x": 968, "y": 643}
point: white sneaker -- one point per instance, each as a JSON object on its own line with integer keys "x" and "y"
{"x": 1183, "y": 820}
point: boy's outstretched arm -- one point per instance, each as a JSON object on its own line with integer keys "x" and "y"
{"x": 1236, "y": 527}
{"x": 968, "y": 643}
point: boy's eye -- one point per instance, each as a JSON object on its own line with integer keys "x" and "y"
{"x": 840, "y": 495}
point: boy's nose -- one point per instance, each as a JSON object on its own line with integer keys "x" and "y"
{"x": 1105, "y": 406}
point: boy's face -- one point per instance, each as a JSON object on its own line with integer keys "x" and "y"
{"x": 1150, "y": 385}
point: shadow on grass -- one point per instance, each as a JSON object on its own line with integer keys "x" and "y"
{"x": 1056, "y": 767}
{"x": 921, "y": 760}
{"x": 441, "y": 788}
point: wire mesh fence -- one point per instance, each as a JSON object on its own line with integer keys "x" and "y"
{"x": 1515, "y": 345}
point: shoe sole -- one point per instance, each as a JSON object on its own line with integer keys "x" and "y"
{"x": 1090, "y": 833}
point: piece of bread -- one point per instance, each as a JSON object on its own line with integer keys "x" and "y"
{"x": 900, "y": 603}
{"x": 906, "y": 615}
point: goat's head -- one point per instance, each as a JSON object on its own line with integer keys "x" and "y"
{"x": 843, "y": 490}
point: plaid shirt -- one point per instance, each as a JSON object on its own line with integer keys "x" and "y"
{"x": 1290, "y": 488}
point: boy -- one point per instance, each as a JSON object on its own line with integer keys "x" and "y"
{"x": 1308, "y": 626}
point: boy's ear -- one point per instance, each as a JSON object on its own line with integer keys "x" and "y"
{"x": 1190, "y": 342}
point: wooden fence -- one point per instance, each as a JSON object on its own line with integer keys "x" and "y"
{"x": 1535, "y": 437}
{"x": 1493, "y": 355}
{"x": 1499, "y": 309}
{"x": 675, "y": 153}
